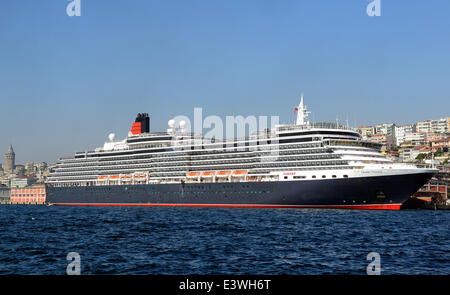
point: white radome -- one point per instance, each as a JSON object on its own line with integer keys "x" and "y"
{"x": 111, "y": 136}
{"x": 182, "y": 124}
{"x": 171, "y": 123}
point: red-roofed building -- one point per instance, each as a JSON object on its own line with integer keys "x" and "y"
{"x": 409, "y": 154}
{"x": 440, "y": 143}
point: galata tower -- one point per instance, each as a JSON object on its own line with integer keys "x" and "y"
{"x": 10, "y": 158}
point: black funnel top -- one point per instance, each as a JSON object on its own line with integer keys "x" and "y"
{"x": 145, "y": 122}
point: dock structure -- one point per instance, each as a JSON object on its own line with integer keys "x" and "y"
{"x": 434, "y": 194}
{"x": 434, "y": 188}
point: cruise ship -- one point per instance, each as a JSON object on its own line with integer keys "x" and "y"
{"x": 299, "y": 165}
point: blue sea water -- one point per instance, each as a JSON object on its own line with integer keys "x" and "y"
{"x": 180, "y": 240}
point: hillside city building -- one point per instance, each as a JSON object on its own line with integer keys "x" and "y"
{"x": 408, "y": 141}
{"x": 16, "y": 175}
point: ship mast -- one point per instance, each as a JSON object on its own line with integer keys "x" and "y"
{"x": 302, "y": 113}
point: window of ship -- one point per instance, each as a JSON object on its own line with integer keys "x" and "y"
{"x": 324, "y": 176}
{"x": 313, "y": 176}
{"x": 345, "y": 176}
{"x": 334, "y": 176}
{"x": 318, "y": 132}
{"x": 295, "y": 140}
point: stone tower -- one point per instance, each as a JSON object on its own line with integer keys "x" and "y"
{"x": 10, "y": 158}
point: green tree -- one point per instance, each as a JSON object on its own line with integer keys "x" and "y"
{"x": 438, "y": 153}
{"x": 421, "y": 156}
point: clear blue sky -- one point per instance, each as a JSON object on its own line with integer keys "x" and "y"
{"x": 66, "y": 82}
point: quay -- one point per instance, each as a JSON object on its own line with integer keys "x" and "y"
{"x": 433, "y": 195}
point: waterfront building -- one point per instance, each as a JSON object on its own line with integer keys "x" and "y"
{"x": 22, "y": 181}
{"x": 441, "y": 125}
{"x": 5, "y": 181}
{"x": 443, "y": 144}
{"x": 365, "y": 131}
{"x": 393, "y": 156}
{"x": 41, "y": 166}
{"x": 4, "y": 194}
{"x": 432, "y": 136}
{"x": 409, "y": 154}
{"x": 423, "y": 126}
{"x": 415, "y": 138}
{"x": 30, "y": 168}
{"x": 401, "y": 131}
{"x": 19, "y": 170}
{"x": 406, "y": 144}
{"x": 385, "y": 140}
{"x": 34, "y": 194}
{"x": 384, "y": 128}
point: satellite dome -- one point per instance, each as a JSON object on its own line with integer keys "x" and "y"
{"x": 182, "y": 124}
{"x": 111, "y": 136}
{"x": 171, "y": 123}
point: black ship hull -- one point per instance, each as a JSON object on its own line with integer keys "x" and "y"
{"x": 374, "y": 192}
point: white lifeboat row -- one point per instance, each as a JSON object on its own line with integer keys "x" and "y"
{"x": 217, "y": 176}
{"x": 210, "y": 174}
{"x": 123, "y": 177}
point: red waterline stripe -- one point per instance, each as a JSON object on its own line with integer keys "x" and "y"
{"x": 363, "y": 207}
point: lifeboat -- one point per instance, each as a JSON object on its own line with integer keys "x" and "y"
{"x": 140, "y": 176}
{"x": 208, "y": 174}
{"x": 223, "y": 173}
{"x": 126, "y": 177}
{"x": 239, "y": 172}
{"x": 114, "y": 177}
{"x": 102, "y": 177}
{"x": 193, "y": 174}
